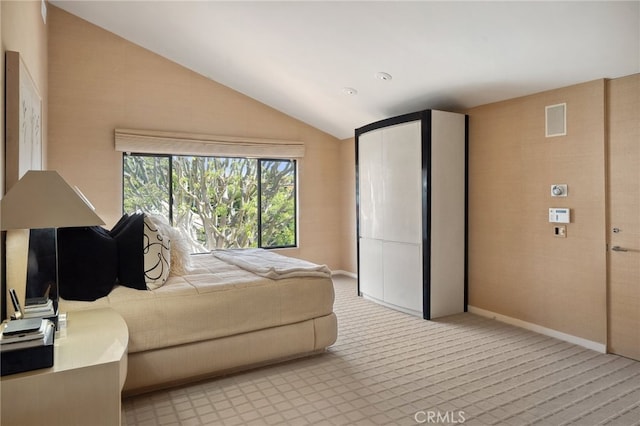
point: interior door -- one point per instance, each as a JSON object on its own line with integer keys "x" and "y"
{"x": 624, "y": 217}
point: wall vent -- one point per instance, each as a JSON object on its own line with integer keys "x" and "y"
{"x": 556, "y": 120}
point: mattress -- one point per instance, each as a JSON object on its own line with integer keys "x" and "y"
{"x": 215, "y": 299}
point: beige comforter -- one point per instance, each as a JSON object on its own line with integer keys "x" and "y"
{"x": 215, "y": 299}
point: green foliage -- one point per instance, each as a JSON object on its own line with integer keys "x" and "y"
{"x": 145, "y": 183}
{"x": 215, "y": 200}
{"x": 278, "y": 203}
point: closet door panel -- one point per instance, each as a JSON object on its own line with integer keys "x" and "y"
{"x": 447, "y": 213}
{"x": 370, "y": 271}
{"x": 402, "y": 268}
{"x": 402, "y": 183}
{"x": 370, "y": 184}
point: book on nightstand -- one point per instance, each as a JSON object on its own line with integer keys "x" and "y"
{"x": 43, "y": 310}
{"x": 25, "y": 345}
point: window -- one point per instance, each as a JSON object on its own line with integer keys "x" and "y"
{"x": 220, "y": 202}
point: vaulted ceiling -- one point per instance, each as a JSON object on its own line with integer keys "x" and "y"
{"x": 300, "y": 57}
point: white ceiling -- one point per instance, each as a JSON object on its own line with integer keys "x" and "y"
{"x": 297, "y": 56}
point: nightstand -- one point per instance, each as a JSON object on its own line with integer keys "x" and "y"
{"x": 83, "y": 386}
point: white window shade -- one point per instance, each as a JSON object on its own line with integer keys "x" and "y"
{"x": 157, "y": 142}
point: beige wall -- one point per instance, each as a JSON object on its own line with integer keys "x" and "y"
{"x": 2, "y": 143}
{"x": 99, "y": 82}
{"x": 23, "y": 30}
{"x": 348, "y": 205}
{"x": 517, "y": 267}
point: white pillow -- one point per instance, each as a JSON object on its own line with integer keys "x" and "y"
{"x": 157, "y": 255}
{"x": 180, "y": 245}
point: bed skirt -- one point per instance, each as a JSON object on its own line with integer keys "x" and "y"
{"x": 165, "y": 367}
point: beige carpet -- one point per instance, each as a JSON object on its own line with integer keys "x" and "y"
{"x": 389, "y": 368}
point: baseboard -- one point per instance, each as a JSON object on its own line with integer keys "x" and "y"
{"x": 345, "y": 273}
{"x": 589, "y": 344}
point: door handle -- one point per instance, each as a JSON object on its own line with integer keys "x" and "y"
{"x": 618, "y": 248}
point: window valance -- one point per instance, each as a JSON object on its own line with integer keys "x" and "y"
{"x": 158, "y": 142}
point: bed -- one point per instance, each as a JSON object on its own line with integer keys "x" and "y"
{"x": 230, "y": 310}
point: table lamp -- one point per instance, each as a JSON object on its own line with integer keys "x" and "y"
{"x": 42, "y": 199}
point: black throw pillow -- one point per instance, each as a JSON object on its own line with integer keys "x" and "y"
{"x": 87, "y": 263}
{"x": 121, "y": 223}
{"x": 128, "y": 234}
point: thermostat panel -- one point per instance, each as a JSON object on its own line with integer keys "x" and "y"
{"x": 559, "y": 215}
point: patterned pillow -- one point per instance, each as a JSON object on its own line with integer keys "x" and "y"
{"x": 156, "y": 249}
{"x": 180, "y": 245}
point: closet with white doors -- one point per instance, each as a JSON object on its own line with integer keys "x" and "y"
{"x": 411, "y": 196}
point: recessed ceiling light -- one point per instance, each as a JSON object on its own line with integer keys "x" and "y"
{"x": 349, "y": 91}
{"x": 383, "y": 76}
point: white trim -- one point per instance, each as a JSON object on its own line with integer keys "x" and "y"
{"x": 157, "y": 142}
{"x": 589, "y": 344}
{"x": 346, "y": 273}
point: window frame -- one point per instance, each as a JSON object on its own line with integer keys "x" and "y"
{"x": 295, "y": 202}
{"x": 259, "y": 161}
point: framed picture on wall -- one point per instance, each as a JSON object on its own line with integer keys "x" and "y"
{"x": 23, "y": 139}
{"x": 23, "y": 121}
